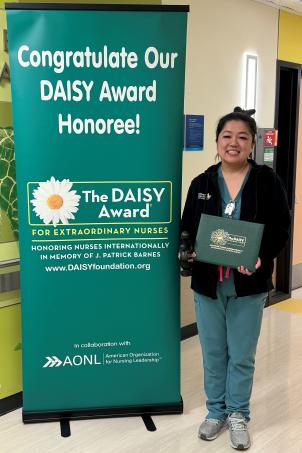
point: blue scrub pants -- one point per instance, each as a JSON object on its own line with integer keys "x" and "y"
{"x": 228, "y": 329}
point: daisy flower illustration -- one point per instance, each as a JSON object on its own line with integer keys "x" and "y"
{"x": 219, "y": 237}
{"x": 54, "y": 202}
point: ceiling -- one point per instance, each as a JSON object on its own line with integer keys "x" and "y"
{"x": 291, "y": 6}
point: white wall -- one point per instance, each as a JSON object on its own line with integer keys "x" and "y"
{"x": 219, "y": 32}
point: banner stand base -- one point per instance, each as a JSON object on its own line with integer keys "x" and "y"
{"x": 66, "y": 432}
{"x": 84, "y": 414}
{"x": 65, "y": 427}
{"x": 149, "y": 423}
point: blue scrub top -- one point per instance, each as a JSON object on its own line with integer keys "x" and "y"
{"x": 226, "y": 198}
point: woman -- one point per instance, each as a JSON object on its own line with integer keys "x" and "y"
{"x": 229, "y": 304}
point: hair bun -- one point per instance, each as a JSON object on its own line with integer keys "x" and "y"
{"x": 249, "y": 112}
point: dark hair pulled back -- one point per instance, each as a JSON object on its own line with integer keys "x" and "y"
{"x": 239, "y": 115}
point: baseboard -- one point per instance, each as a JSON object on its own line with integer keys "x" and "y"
{"x": 10, "y": 403}
{"x": 189, "y": 331}
{"x": 297, "y": 276}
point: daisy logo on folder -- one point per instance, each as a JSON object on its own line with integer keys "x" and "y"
{"x": 222, "y": 237}
{"x": 228, "y": 242}
{"x": 219, "y": 237}
{"x": 54, "y": 201}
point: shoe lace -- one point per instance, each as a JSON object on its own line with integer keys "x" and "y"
{"x": 237, "y": 424}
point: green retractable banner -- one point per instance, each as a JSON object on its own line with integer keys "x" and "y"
{"x": 98, "y": 117}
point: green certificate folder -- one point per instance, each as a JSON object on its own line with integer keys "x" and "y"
{"x": 228, "y": 242}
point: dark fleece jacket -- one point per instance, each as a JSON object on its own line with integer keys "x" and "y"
{"x": 264, "y": 201}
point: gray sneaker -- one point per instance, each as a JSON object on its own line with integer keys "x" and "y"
{"x": 210, "y": 428}
{"x": 239, "y": 435}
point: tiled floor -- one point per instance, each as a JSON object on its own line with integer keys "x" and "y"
{"x": 276, "y": 406}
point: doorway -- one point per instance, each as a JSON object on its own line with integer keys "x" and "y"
{"x": 285, "y": 162}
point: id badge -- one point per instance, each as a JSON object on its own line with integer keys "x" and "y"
{"x": 229, "y": 209}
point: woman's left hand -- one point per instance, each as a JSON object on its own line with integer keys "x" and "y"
{"x": 245, "y": 271}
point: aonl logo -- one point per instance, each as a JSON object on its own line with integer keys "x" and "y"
{"x": 76, "y": 360}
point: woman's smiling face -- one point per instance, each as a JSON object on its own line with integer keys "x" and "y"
{"x": 235, "y": 143}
